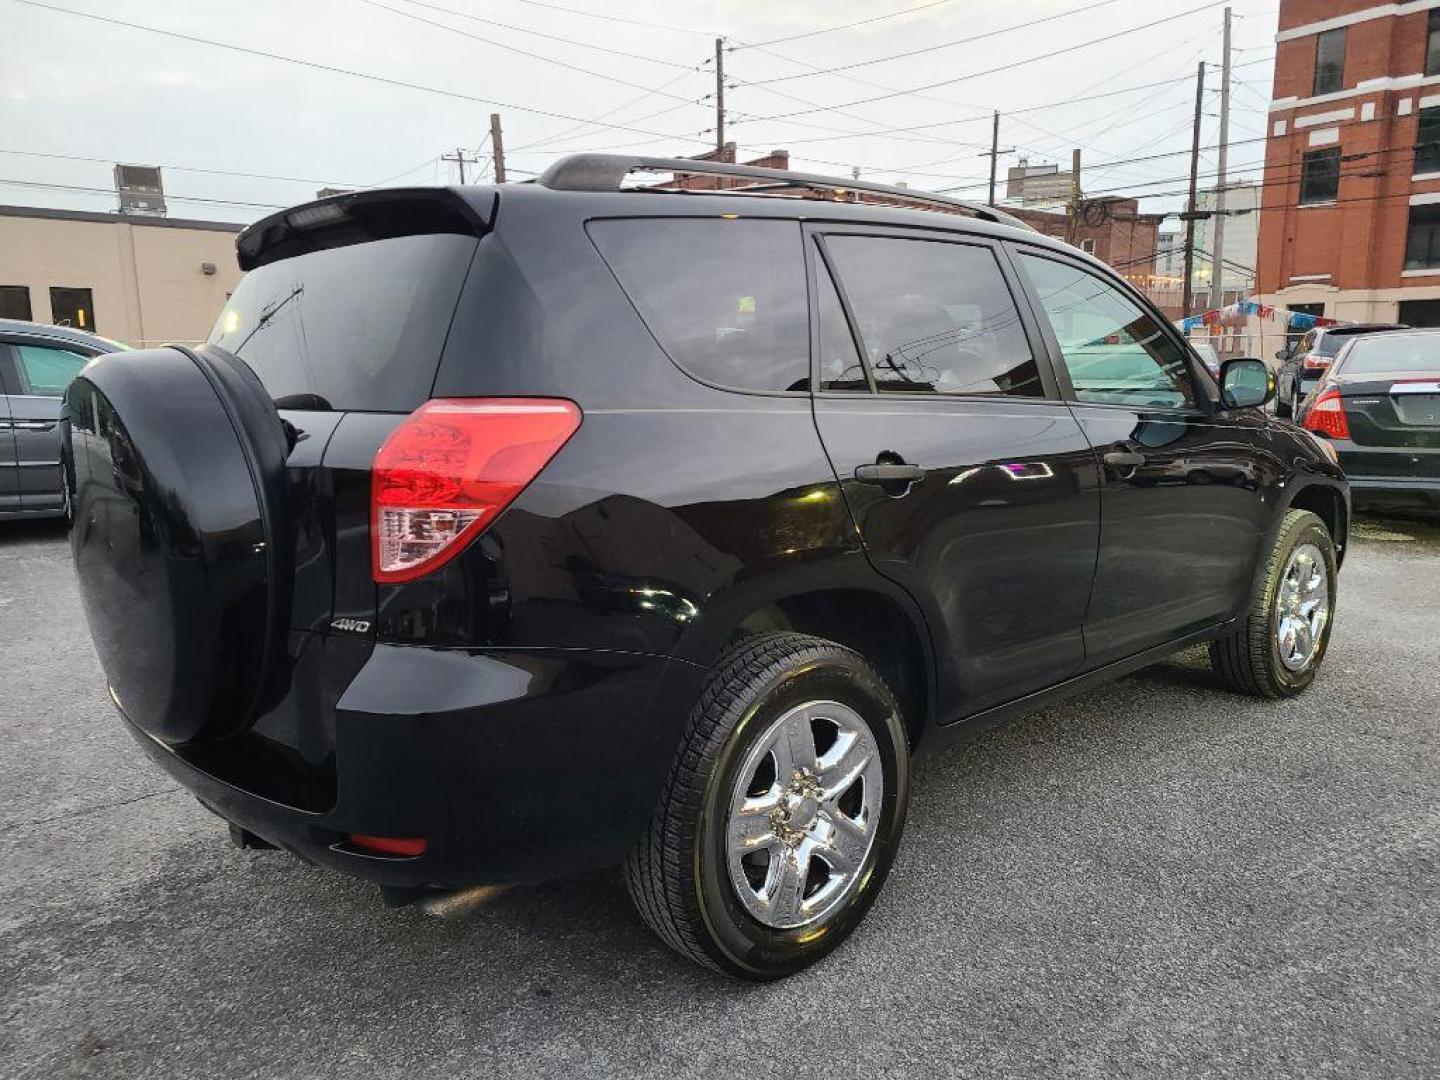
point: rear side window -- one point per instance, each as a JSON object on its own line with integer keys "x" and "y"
{"x": 935, "y": 317}
{"x": 725, "y": 297}
{"x": 359, "y": 327}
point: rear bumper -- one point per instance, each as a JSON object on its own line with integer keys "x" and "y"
{"x": 512, "y": 765}
{"x": 1394, "y": 491}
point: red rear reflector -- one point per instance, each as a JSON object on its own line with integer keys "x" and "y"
{"x": 1327, "y": 416}
{"x": 389, "y": 845}
{"x": 1315, "y": 362}
{"x": 448, "y": 471}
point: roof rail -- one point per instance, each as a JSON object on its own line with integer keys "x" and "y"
{"x": 607, "y": 172}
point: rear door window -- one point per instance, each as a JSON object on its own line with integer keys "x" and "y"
{"x": 724, "y": 297}
{"x": 44, "y": 371}
{"x": 358, "y": 327}
{"x": 934, "y": 316}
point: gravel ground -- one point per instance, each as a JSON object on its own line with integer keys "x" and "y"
{"x": 1158, "y": 878}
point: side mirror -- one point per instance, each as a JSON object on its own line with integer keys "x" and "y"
{"x": 1246, "y": 383}
{"x": 1282, "y": 354}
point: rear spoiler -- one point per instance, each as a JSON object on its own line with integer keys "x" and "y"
{"x": 360, "y": 216}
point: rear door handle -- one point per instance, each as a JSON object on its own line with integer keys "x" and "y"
{"x": 1124, "y": 459}
{"x": 33, "y": 425}
{"x": 884, "y": 474}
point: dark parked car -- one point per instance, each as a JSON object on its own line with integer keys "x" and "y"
{"x": 1379, "y": 405}
{"x": 500, "y": 533}
{"x": 1303, "y": 364}
{"x": 37, "y": 362}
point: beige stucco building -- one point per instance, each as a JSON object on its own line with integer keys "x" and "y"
{"x": 140, "y": 280}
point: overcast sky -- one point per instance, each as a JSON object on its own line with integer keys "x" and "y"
{"x": 75, "y": 87}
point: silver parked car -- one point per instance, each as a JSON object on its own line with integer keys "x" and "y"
{"x": 37, "y": 363}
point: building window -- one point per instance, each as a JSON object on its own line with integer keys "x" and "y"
{"x": 1432, "y": 44}
{"x": 1422, "y": 240}
{"x": 1427, "y": 141}
{"x": 1087, "y": 246}
{"x": 15, "y": 302}
{"x": 1330, "y": 61}
{"x": 72, "y": 307}
{"x": 1320, "y": 176}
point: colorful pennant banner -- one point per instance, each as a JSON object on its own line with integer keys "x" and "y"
{"x": 1236, "y": 314}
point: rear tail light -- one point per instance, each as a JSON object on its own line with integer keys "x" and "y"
{"x": 404, "y": 846}
{"x": 1327, "y": 416}
{"x": 1316, "y": 362}
{"x": 448, "y": 471}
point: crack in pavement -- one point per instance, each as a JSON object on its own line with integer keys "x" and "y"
{"x": 88, "y": 810}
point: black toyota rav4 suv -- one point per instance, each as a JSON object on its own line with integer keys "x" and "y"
{"x": 498, "y": 533}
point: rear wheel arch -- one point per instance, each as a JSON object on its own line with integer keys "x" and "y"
{"x": 874, "y": 624}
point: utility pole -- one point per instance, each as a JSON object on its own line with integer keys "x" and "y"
{"x": 497, "y": 147}
{"x": 1187, "y": 295}
{"x": 461, "y": 159}
{"x": 1217, "y": 239}
{"x": 994, "y": 153}
{"x": 1072, "y": 226}
{"x": 719, "y": 99}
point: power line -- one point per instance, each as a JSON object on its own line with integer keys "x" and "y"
{"x": 619, "y": 19}
{"x": 350, "y": 72}
{"x": 846, "y": 26}
{"x": 1003, "y": 67}
{"x": 197, "y": 169}
{"x": 942, "y": 45}
{"x": 169, "y": 197}
{"x": 551, "y": 37}
{"x": 517, "y": 50}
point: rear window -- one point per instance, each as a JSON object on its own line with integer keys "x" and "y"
{"x": 724, "y": 297}
{"x": 1329, "y": 344}
{"x": 1394, "y": 352}
{"x": 358, "y": 327}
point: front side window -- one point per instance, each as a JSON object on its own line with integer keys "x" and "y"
{"x": 46, "y": 372}
{"x": 724, "y": 297}
{"x": 1422, "y": 239}
{"x": 1330, "y": 61}
{"x": 1115, "y": 353}
{"x": 934, "y": 317}
{"x": 1427, "y": 140}
{"x": 1320, "y": 176}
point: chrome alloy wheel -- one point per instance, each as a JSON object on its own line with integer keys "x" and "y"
{"x": 803, "y": 815}
{"x": 1302, "y": 607}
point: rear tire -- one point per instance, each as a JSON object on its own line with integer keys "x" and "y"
{"x": 1281, "y": 642}
{"x": 741, "y": 766}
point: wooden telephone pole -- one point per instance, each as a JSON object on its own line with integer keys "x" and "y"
{"x": 497, "y": 147}
{"x": 719, "y": 99}
{"x": 1188, "y": 294}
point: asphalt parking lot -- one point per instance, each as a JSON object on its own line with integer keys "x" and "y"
{"x": 1158, "y": 878}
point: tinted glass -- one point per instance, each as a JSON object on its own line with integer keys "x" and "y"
{"x": 1427, "y": 141}
{"x": 840, "y": 366}
{"x": 72, "y": 307}
{"x": 1393, "y": 352}
{"x": 1320, "y": 175}
{"x": 1330, "y": 61}
{"x": 45, "y": 371}
{"x": 359, "y": 327}
{"x": 724, "y": 297}
{"x": 1422, "y": 240}
{"x": 935, "y": 317}
{"x": 15, "y": 302}
{"x": 1114, "y": 352}
{"x": 1432, "y": 43}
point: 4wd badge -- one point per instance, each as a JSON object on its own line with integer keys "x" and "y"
{"x": 352, "y": 626}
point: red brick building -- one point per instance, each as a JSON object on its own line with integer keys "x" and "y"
{"x": 1350, "y": 213}
{"x": 1113, "y": 230}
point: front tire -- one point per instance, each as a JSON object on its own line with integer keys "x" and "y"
{"x": 1279, "y": 646}
{"x": 782, "y": 812}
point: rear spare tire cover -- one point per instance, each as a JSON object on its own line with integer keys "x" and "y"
{"x": 180, "y": 536}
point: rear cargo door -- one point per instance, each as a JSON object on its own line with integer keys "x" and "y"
{"x": 346, "y": 340}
